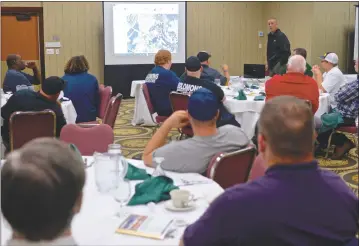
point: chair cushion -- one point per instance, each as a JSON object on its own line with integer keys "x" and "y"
{"x": 348, "y": 129}
{"x": 160, "y": 119}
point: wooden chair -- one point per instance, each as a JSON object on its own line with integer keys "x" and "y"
{"x": 25, "y": 126}
{"x": 179, "y": 101}
{"x": 229, "y": 169}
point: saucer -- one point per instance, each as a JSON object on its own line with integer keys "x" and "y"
{"x": 169, "y": 206}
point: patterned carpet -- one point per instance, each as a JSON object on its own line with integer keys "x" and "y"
{"x": 134, "y": 139}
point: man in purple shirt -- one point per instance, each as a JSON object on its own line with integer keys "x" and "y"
{"x": 294, "y": 203}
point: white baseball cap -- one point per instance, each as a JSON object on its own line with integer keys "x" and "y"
{"x": 330, "y": 57}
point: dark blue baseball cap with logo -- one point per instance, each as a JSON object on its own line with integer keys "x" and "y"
{"x": 203, "y": 105}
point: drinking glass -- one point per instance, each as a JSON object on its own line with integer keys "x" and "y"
{"x": 106, "y": 172}
{"x": 158, "y": 171}
{"x": 122, "y": 193}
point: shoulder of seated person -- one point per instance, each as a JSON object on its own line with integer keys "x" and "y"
{"x": 16, "y": 73}
{"x": 231, "y": 128}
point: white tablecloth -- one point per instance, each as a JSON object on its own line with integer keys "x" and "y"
{"x": 350, "y": 77}
{"x": 69, "y": 112}
{"x": 246, "y": 112}
{"x": 67, "y": 108}
{"x": 141, "y": 113}
{"x": 97, "y": 221}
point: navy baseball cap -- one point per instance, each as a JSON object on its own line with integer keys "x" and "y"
{"x": 203, "y": 56}
{"x": 193, "y": 64}
{"x": 53, "y": 85}
{"x": 203, "y": 105}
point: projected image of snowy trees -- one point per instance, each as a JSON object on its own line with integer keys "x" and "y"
{"x": 149, "y": 33}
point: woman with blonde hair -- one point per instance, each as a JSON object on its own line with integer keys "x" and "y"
{"x": 161, "y": 81}
{"x": 81, "y": 88}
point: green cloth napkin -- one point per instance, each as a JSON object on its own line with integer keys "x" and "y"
{"x": 241, "y": 95}
{"x": 135, "y": 173}
{"x": 154, "y": 189}
{"x": 259, "y": 98}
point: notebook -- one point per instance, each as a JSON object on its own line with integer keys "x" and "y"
{"x": 146, "y": 226}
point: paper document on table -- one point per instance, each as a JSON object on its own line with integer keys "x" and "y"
{"x": 190, "y": 179}
{"x": 146, "y": 226}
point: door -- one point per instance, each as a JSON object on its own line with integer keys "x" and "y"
{"x": 20, "y": 36}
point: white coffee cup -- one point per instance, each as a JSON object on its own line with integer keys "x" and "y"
{"x": 181, "y": 198}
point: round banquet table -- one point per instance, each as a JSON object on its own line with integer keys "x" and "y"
{"x": 246, "y": 112}
{"x": 97, "y": 221}
{"x": 67, "y": 108}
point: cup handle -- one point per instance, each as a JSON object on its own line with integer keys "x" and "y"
{"x": 190, "y": 199}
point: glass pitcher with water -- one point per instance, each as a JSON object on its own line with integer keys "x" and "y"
{"x": 110, "y": 171}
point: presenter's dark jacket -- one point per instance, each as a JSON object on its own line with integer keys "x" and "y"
{"x": 27, "y": 100}
{"x": 278, "y": 49}
{"x": 161, "y": 82}
{"x": 82, "y": 89}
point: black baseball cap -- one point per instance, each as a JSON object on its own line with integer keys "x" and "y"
{"x": 193, "y": 64}
{"x": 203, "y": 56}
{"x": 53, "y": 85}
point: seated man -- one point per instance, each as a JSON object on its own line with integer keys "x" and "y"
{"x": 41, "y": 192}
{"x": 208, "y": 73}
{"x": 192, "y": 82}
{"x": 348, "y": 105}
{"x": 294, "y": 83}
{"x": 26, "y": 100}
{"x": 15, "y": 77}
{"x": 293, "y": 203}
{"x": 332, "y": 79}
{"x": 194, "y": 154}
{"x": 161, "y": 81}
{"x": 303, "y": 52}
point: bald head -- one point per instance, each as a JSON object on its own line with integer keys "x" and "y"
{"x": 14, "y": 61}
{"x": 41, "y": 184}
{"x": 286, "y": 126}
{"x": 296, "y": 64}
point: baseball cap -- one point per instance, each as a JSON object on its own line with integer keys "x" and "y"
{"x": 53, "y": 85}
{"x": 203, "y": 105}
{"x": 330, "y": 57}
{"x": 203, "y": 56}
{"x": 193, "y": 64}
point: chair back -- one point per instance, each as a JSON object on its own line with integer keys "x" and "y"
{"x": 229, "y": 169}
{"x": 112, "y": 110}
{"x": 105, "y": 96}
{"x": 258, "y": 168}
{"x": 88, "y": 140}
{"x": 179, "y": 101}
{"x": 147, "y": 96}
{"x": 25, "y": 126}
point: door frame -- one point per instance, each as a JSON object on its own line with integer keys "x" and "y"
{"x": 32, "y": 11}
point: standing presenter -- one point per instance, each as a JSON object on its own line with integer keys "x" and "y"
{"x": 278, "y": 49}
